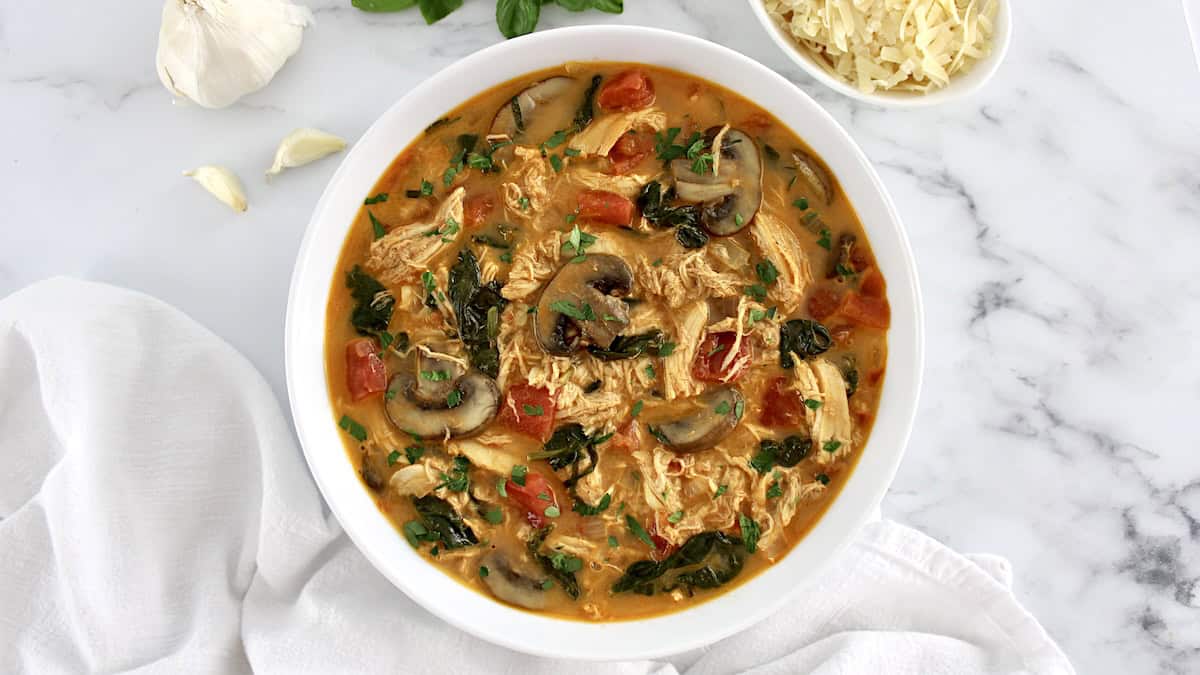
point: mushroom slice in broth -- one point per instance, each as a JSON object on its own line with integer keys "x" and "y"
{"x": 700, "y": 422}
{"x": 471, "y": 405}
{"x": 582, "y": 303}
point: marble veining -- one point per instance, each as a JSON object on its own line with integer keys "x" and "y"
{"x": 1055, "y": 218}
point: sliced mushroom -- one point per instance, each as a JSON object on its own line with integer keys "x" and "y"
{"x": 519, "y": 112}
{"x": 436, "y": 378}
{"x": 733, "y": 195}
{"x": 589, "y": 290}
{"x": 716, "y": 414}
{"x": 514, "y": 581}
{"x": 479, "y": 399}
{"x": 815, "y": 175}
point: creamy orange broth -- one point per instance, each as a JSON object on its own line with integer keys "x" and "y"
{"x": 692, "y": 499}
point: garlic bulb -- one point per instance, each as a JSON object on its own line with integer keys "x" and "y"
{"x": 216, "y": 51}
{"x": 222, "y": 184}
{"x": 303, "y": 146}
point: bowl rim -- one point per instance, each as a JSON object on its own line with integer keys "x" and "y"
{"x": 959, "y": 87}
{"x": 315, "y": 418}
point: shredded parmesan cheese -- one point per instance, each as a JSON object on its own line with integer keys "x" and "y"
{"x": 900, "y": 45}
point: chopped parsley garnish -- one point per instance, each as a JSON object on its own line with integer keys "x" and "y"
{"x": 494, "y": 515}
{"x": 649, "y": 370}
{"x": 501, "y": 487}
{"x": 518, "y": 474}
{"x": 552, "y": 511}
{"x": 738, "y": 219}
{"x": 393, "y": 457}
{"x": 533, "y": 410}
{"x": 722, "y": 408}
{"x": 812, "y": 403}
{"x": 612, "y": 542}
{"x": 764, "y": 460}
{"x": 547, "y": 585}
{"x": 801, "y": 204}
{"x": 717, "y": 349}
{"x": 556, "y": 139}
{"x": 578, "y": 240}
{"x": 457, "y": 480}
{"x": 636, "y": 529}
{"x": 657, "y": 262}
{"x": 523, "y": 202}
{"x": 767, "y": 271}
{"x": 831, "y": 446}
{"x": 822, "y": 479}
{"x": 381, "y": 197}
{"x": 637, "y": 408}
{"x": 666, "y": 349}
{"x": 774, "y": 490}
{"x": 556, "y": 162}
{"x": 825, "y": 242}
{"x": 675, "y": 517}
{"x": 426, "y": 188}
{"x": 657, "y": 433}
{"x": 574, "y": 311}
{"x": 376, "y": 226}
{"x": 664, "y": 145}
{"x": 357, "y": 431}
{"x": 454, "y": 398}
{"x": 757, "y": 292}
{"x": 506, "y": 257}
{"x": 413, "y": 453}
{"x": 429, "y": 281}
{"x": 750, "y": 532}
{"x": 435, "y": 375}
{"x": 721, "y": 489}
{"x": 571, "y": 152}
{"x": 483, "y": 571}
{"x": 756, "y": 315}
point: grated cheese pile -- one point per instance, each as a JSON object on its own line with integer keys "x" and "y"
{"x": 901, "y": 45}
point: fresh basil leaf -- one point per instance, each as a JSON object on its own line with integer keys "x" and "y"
{"x": 436, "y": 10}
{"x": 517, "y": 17}
{"x": 382, "y": 5}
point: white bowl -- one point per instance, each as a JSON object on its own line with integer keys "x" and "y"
{"x": 960, "y": 86}
{"x": 473, "y": 612}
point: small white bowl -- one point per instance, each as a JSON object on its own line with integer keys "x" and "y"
{"x": 960, "y": 86}
{"x": 316, "y": 423}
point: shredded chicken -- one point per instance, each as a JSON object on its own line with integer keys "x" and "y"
{"x": 594, "y": 411}
{"x": 533, "y": 266}
{"x": 603, "y": 133}
{"x": 414, "y": 480}
{"x": 832, "y": 425}
{"x": 402, "y": 254}
{"x": 682, "y": 277}
{"x": 690, "y": 322}
{"x": 529, "y": 189}
{"x": 489, "y": 456}
{"x": 627, "y": 185}
{"x": 779, "y": 244}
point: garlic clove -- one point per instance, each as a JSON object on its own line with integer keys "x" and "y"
{"x": 213, "y": 52}
{"x": 222, "y": 184}
{"x": 303, "y": 146}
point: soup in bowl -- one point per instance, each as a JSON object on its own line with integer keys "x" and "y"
{"x": 607, "y": 340}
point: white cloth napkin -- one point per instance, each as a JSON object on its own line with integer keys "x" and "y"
{"x": 156, "y": 516}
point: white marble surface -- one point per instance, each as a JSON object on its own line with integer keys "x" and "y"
{"x": 1055, "y": 218}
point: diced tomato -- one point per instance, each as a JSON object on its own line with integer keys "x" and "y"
{"x": 823, "y": 303}
{"x": 710, "y": 365}
{"x": 365, "y": 372}
{"x": 629, "y": 151}
{"x": 662, "y": 547}
{"x": 527, "y": 497}
{"x": 605, "y": 207}
{"x": 630, "y": 90}
{"x": 873, "y": 285}
{"x": 782, "y": 407}
{"x": 627, "y": 437}
{"x": 865, "y": 311}
{"x": 529, "y": 410}
{"x": 477, "y": 208}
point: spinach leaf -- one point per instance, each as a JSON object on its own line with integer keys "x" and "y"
{"x": 472, "y": 302}
{"x": 517, "y": 17}
{"x": 629, "y": 346}
{"x": 849, "y": 368}
{"x": 584, "y": 509}
{"x": 373, "y": 309}
{"x": 570, "y": 447}
{"x": 440, "y": 518}
{"x": 804, "y": 338}
{"x": 587, "y": 110}
{"x": 436, "y": 10}
{"x": 706, "y": 560}
{"x": 689, "y": 235}
{"x": 653, "y": 202}
{"x": 558, "y": 566}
